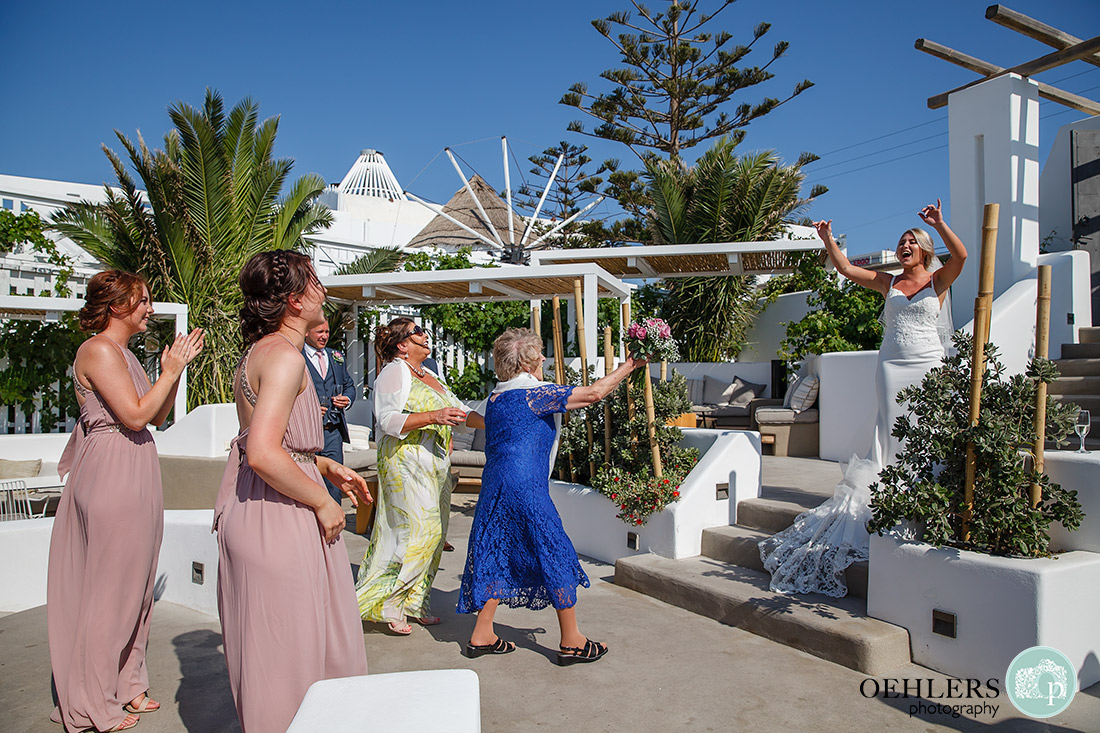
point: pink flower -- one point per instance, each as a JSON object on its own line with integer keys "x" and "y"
{"x": 664, "y": 331}
{"x": 641, "y": 333}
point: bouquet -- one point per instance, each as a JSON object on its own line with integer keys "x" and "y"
{"x": 652, "y": 338}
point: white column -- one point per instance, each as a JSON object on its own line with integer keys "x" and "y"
{"x": 591, "y": 295}
{"x": 994, "y": 156}
{"x": 181, "y": 392}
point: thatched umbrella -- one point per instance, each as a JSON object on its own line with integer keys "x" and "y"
{"x": 439, "y": 232}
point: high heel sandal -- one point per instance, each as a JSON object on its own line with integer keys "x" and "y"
{"x": 500, "y": 646}
{"x": 591, "y": 651}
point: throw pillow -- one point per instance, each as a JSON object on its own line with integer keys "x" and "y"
{"x": 19, "y": 469}
{"x": 479, "y": 440}
{"x": 742, "y": 392}
{"x": 804, "y": 395}
{"x": 790, "y": 391}
{"x": 463, "y": 439}
{"x": 715, "y": 391}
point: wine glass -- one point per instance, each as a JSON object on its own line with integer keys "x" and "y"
{"x": 1084, "y": 422}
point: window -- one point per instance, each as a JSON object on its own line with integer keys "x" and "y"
{"x": 9, "y": 204}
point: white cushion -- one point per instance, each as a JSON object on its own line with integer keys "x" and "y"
{"x": 19, "y": 469}
{"x": 804, "y": 395}
{"x": 432, "y": 700}
{"x": 790, "y": 391}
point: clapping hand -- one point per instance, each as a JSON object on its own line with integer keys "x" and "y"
{"x": 932, "y": 215}
{"x": 824, "y": 229}
{"x": 182, "y": 351}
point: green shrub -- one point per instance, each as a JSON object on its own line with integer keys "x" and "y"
{"x": 926, "y": 485}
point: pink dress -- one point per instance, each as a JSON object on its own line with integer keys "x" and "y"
{"x": 285, "y": 597}
{"x": 103, "y": 561}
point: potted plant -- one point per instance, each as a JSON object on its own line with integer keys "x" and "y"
{"x": 971, "y": 602}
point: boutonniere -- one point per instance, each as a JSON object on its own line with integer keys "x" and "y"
{"x": 338, "y": 357}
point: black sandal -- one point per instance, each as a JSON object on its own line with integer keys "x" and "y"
{"x": 592, "y": 651}
{"x": 500, "y": 646}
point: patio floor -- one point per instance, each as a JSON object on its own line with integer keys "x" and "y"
{"x": 668, "y": 669}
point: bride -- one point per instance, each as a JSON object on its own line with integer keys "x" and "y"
{"x": 811, "y": 555}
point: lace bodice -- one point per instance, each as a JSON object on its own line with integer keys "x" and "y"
{"x": 911, "y": 325}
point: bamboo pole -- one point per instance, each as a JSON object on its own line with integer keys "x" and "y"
{"x": 536, "y": 320}
{"x": 982, "y": 306}
{"x": 629, "y": 397}
{"x": 559, "y": 371}
{"x": 664, "y": 370}
{"x": 1042, "y": 348}
{"x": 651, "y": 419}
{"x": 582, "y": 345}
{"x": 608, "y": 363}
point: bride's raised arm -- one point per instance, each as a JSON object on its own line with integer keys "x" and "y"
{"x": 867, "y": 278}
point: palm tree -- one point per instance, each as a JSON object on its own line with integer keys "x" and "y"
{"x": 723, "y": 198}
{"x": 211, "y": 200}
{"x": 383, "y": 259}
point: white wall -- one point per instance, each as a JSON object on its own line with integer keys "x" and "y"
{"x": 750, "y": 371}
{"x": 1056, "y": 205}
{"x": 732, "y": 456}
{"x": 205, "y": 431}
{"x": 994, "y": 158}
{"x": 770, "y": 327}
{"x": 1078, "y": 472}
{"x": 847, "y": 403}
{"x": 25, "y": 547}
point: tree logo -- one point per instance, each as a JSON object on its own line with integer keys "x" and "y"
{"x": 1041, "y": 682}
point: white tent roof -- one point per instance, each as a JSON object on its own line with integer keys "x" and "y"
{"x": 371, "y": 176}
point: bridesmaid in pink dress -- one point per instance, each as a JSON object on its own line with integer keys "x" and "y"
{"x": 285, "y": 592}
{"x": 107, "y": 532}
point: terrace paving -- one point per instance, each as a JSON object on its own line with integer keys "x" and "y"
{"x": 668, "y": 668}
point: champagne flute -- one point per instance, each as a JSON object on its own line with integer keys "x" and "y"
{"x": 1084, "y": 422}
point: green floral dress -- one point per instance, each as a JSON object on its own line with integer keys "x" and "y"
{"x": 411, "y": 514}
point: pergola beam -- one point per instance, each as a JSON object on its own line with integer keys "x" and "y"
{"x": 966, "y": 61}
{"x": 1032, "y": 28}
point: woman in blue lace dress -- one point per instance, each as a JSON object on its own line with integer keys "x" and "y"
{"x": 518, "y": 552}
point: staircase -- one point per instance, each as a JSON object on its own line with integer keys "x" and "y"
{"x": 1080, "y": 382}
{"x": 728, "y": 582}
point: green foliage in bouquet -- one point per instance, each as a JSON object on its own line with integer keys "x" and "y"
{"x": 627, "y": 479}
{"x": 926, "y": 485}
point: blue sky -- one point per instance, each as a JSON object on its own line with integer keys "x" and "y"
{"x": 411, "y": 78}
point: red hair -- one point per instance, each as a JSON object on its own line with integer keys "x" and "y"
{"x": 110, "y": 293}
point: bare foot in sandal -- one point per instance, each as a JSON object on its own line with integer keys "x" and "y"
{"x": 142, "y": 704}
{"x": 127, "y": 723}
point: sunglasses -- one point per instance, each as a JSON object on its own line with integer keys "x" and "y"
{"x": 416, "y": 331}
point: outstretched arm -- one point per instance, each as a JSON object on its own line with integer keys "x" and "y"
{"x": 860, "y": 276}
{"x": 593, "y": 393}
{"x": 933, "y": 217}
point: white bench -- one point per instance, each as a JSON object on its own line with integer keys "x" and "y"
{"x": 432, "y": 700}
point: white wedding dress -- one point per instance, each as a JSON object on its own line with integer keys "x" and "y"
{"x": 811, "y": 555}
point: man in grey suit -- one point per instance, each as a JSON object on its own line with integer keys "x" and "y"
{"x": 336, "y": 392}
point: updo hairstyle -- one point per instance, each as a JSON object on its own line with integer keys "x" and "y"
{"x": 267, "y": 280}
{"x": 386, "y": 338}
{"x": 514, "y": 351}
{"x": 110, "y": 293}
{"x": 924, "y": 241}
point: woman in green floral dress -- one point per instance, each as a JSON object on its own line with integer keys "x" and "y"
{"x": 414, "y": 414}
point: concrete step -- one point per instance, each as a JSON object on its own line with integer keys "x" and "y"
{"x": 1078, "y": 367}
{"x": 738, "y": 546}
{"x": 1075, "y": 386}
{"x": 1089, "y": 335}
{"x": 770, "y": 515}
{"x": 1081, "y": 351}
{"x": 1085, "y": 402}
{"x": 838, "y": 630}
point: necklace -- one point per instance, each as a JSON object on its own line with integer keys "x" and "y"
{"x": 418, "y": 372}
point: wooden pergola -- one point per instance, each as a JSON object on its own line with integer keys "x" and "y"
{"x": 1069, "y": 48}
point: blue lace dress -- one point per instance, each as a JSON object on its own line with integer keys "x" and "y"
{"x": 518, "y": 551}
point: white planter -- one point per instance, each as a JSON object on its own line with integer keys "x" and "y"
{"x": 1077, "y": 472}
{"x": 1001, "y": 606}
{"x": 728, "y": 457}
